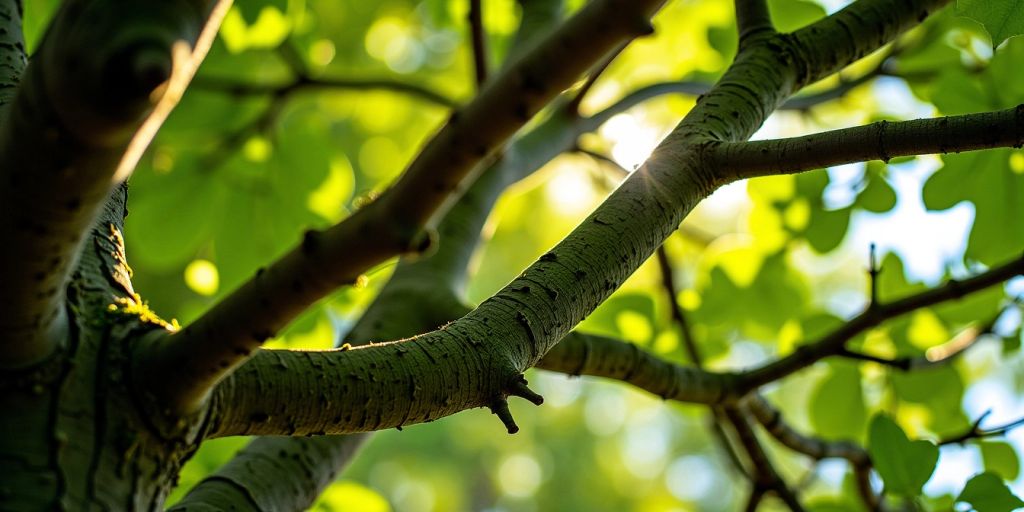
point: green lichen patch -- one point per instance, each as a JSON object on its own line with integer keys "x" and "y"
{"x": 137, "y": 308}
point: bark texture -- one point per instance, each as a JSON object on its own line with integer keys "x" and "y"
{"x": 103, "y": 401}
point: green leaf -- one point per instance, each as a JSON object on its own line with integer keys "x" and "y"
{"x": 941, "y": 389}
{"x": 957, "y": 92}
{"x": 904, "y": 465}
{"x": 1000, "y": 458}
{"x": 36, "y": 17}
{"x": 170, "y": 221}
{"x": 348, "y": 495}
{"x": 878, "y": 196}
{"x": 837, "y": 405}
{"x": 624, "y": 315}
{"x": 987, "y": 492}
{"x": 986, "y": 179}
{"x": 267, "y": 29}
{"x": 892, "y": 279}
{"x": 761, "y": 306}
{"x": 1005, "y": 69}
{"x": 826, "y": 228}
{"x": 830, "y": 506}
{"x": 1001, "y": 18}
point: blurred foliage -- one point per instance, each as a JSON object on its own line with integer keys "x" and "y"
{"x": 903, "y": 465}
{"x": 1001, "y": 18}
{"x": 233, "y": 180}
{"x": 987, "y": 493}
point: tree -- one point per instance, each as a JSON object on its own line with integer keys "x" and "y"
{"x": 104, "y": 401}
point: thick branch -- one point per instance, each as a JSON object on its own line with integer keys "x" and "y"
{"x": 272, "y": 473}
{"x": 408, "y": 304}
{"x": 422, "y": 294}
{"x": 829, "y": 45}
{"x": 361, "y": 389}
{"x": 834, "y": 342}
{"x": 400, "y": 383}
{"x": 226, "y": 335}
{"x": 877, "y": 141}
{"x": 12, "y": 51}
{"x": 452, "y": 369}
{"x": 85, "y": 110}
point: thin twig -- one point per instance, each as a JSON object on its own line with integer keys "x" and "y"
{"x": 833, "y": 342}
{"x": 976, "y": 432}
{"x": 304, "y": 82}
{"x": 939, "y": 354}
{"x": 765, "y": 475}
{"x": 873, "y": 271}
{"x": 672, "y": 292}
{"x": 719, "y": 417}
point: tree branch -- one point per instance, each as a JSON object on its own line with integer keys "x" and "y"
{"x": 12, "y": 51}
{"x": 538, "y": 17}
{"x": 669, "y": 285}
{"x": 360, "y": 389}
{"x": 816, "y": 448}
{"x": 408, "y": 304}
{"x": 877, "y": 141}
{"x": 85, "y": 110}
{"x": 478, "y": 38}
{"x": 718, "y": 417}
{"x": 501, "y": 331}
{"x": 825, "y": 47}
{"x": 601, "y": 356}
{"x": 393, "y": 384}
{"x": 834, "y": 342}
{"x": 303, "y": 82}
{"x": 753, "y": 21}
{"x": 272, "y": 473}
{"x": 452, "y": 369}
{"x": 765, "y": 475}
{"x": 524, "y": 320}
{"x": 226, "y": 335}
{"x": 754, "y": 499}
{"x": 935, "y": 356}
{"x": 976, "y": 432}
{"x": 422, "y": 293}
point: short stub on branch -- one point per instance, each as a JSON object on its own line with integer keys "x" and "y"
{"x": 519, "y": 388}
